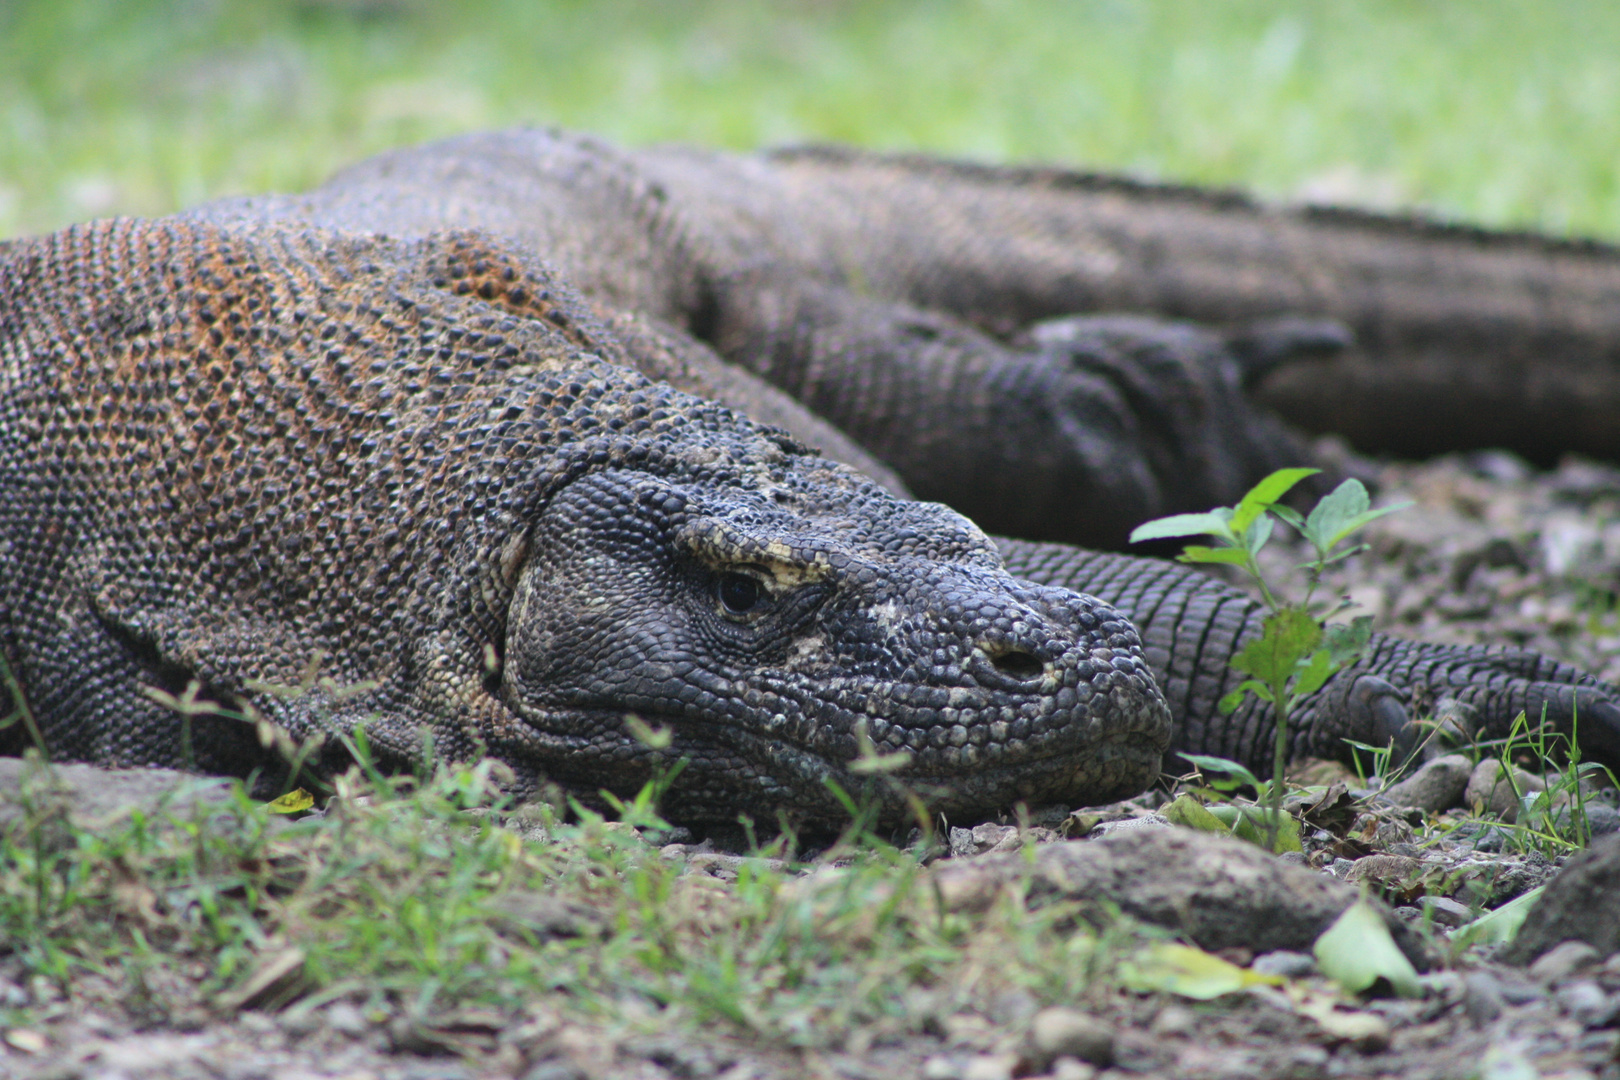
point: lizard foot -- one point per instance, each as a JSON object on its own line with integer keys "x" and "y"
{"x": 1406, "y": 694}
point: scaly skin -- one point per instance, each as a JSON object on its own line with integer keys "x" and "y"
{"x": 1192, "y": 626}
{"x": 225, "y": 453}
{"x": 909, "y": 301}
{"x": 368, "y": 426}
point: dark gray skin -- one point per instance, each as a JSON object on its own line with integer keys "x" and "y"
{"x": 236, "y": 440}
{"x": 911, "y": 303}
{"x": 224, "y": 453}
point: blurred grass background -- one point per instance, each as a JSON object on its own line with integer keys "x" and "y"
{"x": 1497, "y": 112}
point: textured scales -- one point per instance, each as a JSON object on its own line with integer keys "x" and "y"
{"x": 926, "y": 308}
{"x": 227, "y": 453}
{"x": 366, "y": 429}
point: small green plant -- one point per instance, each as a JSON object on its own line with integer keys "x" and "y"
{"x": 1297, "y": 651}
{"x": 1552, "y": 820}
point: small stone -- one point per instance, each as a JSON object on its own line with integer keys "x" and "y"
{"x": 1388, "y": 870}
{"x": 1174, "y": 1020}
{"x": 1505, "y": 1059}
{"x": 1585, "y": 1000}
{"x": 1437, "y": 786}
{"x": 1068, "y": 1068}
{"x": 1522, "y": 991}
{"x": 1609, "y": 973}
{"x": 1444, "y": 911}
{"x": 1562, "y": 961}
{"x": 1482, "y": 997}
{"x": 555, "y": 1069}
{"x": 1060, "y": 1031}
{"x": 12, "y": 996}
{"x": 1582, "y": 903}
{"x": 1601, "y": 819}
{"x": 1146, "y": 821}
{"x": 1491, "y": 790}
{"x": 26, "y": 1040}
{"x": 345, "y": 1019}
{"x": 989, "y": 1067}
{"x": 942, "y": 1066}
{"x": 1290, "y": 965}
{"x": 1410, "y": 914}
{"x": 982, "y": 839}
{"x": 1366, "y": 1032}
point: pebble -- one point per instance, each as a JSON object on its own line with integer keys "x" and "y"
{"x": 1059, "y": 1031}
{"x": 557, "y": 1068}
{"x": 1489, "y": 789}
{"x": 346, "y": 1019}
{"x": 1601, "y": 819}
{"x": 1068, "y": 1068}
{"x": 1521, "y": 991}
{"x": 1444, "y": 911}
{"x": 974, "y": 1067}
{"x": 1290, "y": 965}
{"x": 1482, "y": 997}
{"x": 1587, "y": 1003}
{"x": 1174, "y": 1020}
{"x": 990, "y": 1067}
{"x": 1609, "y": 973}
{"x": 1146, "y": 821}
{"x": 983, "y": 839}
{"x": 1562, "y": 961}
{"x": 1437, "y": 786}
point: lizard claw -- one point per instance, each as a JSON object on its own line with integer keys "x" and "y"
{"x": 1592, "y": 719}
{"x": 1375, "y": 713}
{"x": 1480, "y": 691}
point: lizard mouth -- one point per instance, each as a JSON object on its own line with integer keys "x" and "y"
{"x": 1094, "y": 758}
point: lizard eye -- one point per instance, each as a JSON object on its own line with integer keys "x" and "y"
{"x": 739, "y": 594}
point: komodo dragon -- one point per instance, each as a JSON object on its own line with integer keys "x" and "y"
{"x": 377, "y": 427}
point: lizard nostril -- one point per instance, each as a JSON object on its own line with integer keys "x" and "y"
{"x": 1017, "y": 663}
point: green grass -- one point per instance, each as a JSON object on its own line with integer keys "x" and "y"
{"x": 400, "y": 899}
{"x": 1496, "y": 112}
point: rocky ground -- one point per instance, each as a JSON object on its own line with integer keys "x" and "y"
{"x": 1495, "y": 552}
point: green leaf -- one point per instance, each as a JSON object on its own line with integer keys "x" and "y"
{"x": 1209, "y": 763}
{"x": 1263, "y": 494}
{"x": 1229, "y": 702}
{"x": 1251, "y": 826}
{"x": 1340, "y": 513}
{"x": 1500, "y": 926}
{"x": 1287, "y": 636}
{"x": 1289, "y": 516}
{"x": 1371, "y": 515}
{"x": 1210, "y": 523}
{"x": 1191, "y": 973}
{"x": 1357, "y": 951}
{"x": 295, "y": 801}
{"x": 1347, "y": 642}
{"x": 659, "y": 738}
{"x": 1188, "y": 812}
{"x": 1256, "y": 535}
{"x": 1314, "y": 672}
{"x": 1337, "y": 507}
{"x": 1196, "y": 553}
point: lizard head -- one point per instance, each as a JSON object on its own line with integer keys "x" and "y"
{"x": 785, "y": 621}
